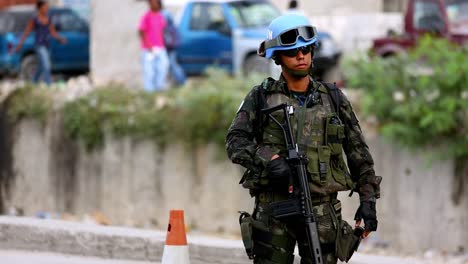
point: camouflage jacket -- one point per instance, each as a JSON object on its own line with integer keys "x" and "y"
{"x": 242, "y": 147}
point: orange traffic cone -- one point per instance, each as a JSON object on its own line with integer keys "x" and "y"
{"x": 176, "y": 248}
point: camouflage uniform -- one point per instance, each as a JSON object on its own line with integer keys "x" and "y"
{"x": 323, "y": 144}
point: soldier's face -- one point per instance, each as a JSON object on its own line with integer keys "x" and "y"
{"x": 299, "y": 62}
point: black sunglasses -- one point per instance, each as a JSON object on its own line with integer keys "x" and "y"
{"x": 293, "y": 52}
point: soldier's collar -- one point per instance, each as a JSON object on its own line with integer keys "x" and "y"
{"x": 280, "y": 85}
{"x": 283, "y": 86}
{"x": 314, "y": 85}
{"x": 321, "y": 87}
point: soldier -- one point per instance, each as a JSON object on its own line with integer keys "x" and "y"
{"x": 323, "y": 125}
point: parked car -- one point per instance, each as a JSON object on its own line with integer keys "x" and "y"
{"x": 327, "y": 55}
{"x": 71, "y": 57}
{"x": 227, "y": 33}
{"x": 443, "y": 18}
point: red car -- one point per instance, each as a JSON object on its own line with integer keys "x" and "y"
{"x": 444, "y": 18}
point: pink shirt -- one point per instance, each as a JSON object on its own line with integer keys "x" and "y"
{"x": 152, "y": 24}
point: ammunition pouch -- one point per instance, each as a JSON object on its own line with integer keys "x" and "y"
{"x": 258, "y": 240}
{"x": 348, "y": 241}
{"x": 246, "y": 223}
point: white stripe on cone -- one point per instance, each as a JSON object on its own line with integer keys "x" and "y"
{"x": 175, "y": 255}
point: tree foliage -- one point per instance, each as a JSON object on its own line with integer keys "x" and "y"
{"x": 419, "y": 98}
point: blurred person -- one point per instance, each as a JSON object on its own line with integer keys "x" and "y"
{"x": 293, "y": 9}
{"x": 154, "y": 55}
{"x": 43, "y": 29}
{"x": 323, "y": 124}
{"x": 172, "y": 41}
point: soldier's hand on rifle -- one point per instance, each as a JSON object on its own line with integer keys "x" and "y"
{"x": 367, "y": 212}
{"x": 278, "y": 171}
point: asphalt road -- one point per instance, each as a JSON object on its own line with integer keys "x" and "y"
{"x": 23, "y": 257}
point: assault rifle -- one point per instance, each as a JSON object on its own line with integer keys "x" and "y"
{"x": 299, "y": 162}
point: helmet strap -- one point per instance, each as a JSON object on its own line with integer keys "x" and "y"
{"x": 296, "y": 73}
{"x": 311, "y": 67}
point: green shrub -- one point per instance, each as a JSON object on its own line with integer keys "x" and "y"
{"x": 205, "y": 111}
{"x": 419, "y": 98}
{"x": 195, "y": 114}
{"x": 121, "y": 111}
{"x": 30, "y": 101}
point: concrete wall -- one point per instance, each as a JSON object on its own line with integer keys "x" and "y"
{"x": 334, "y": 7}
{"x": 132, "y": 183}
{"x": 115, "y": 50}
{"x": 345, "y": 7}
{"x": 354, "y": 33}
{"x": 136, "y": 183}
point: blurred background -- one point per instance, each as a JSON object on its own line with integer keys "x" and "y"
{"x": 95, "y": 147}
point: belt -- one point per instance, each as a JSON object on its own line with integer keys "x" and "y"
{"x": 268, "y": 197}
{"x": 320, "y": 199}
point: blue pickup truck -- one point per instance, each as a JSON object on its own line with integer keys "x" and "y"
{"x": 227, "y": 33}
{"x": 71, "y": 57}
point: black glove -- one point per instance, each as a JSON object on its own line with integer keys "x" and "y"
{"x": 279, "y": 172}
{"x": 367, "y": 212}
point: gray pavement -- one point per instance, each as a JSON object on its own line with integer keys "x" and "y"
{"x": 31, "y": 241}
{"x": 24, "y": 257}
{"x": 372, "y": 259}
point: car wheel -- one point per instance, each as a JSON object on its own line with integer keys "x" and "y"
{"x": 256, "y": 64}
{"x": 28, "y": 68}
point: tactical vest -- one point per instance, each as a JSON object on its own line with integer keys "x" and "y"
{"x": 319, "y": 134}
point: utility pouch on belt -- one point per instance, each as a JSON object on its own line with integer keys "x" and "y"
{"x": 246, "y": 223}
{"x": 348, "y": 241}
{"x": 286, "y": 208}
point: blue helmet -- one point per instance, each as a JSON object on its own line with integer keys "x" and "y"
{"x": 287, "y": 32}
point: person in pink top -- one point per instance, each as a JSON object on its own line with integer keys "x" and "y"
{"x": 155, "y": 59}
